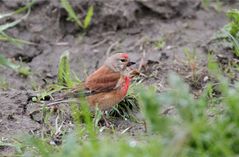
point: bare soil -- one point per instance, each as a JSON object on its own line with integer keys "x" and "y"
{"x": 117, "y": 26}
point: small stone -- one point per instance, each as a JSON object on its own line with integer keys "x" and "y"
{"x": 205, "y": 79}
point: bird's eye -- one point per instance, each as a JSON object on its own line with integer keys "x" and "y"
{"x": 123, "y": 60}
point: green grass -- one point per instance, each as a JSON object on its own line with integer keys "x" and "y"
{"x": 21, "y": 69}
{"x": 3, "y": 27}
{"x": 230, "y": 32}
{"x": 64, "y": 76}
{"x": 4, "y": 85}
{"x": 209, "y": 3}
{"x": 72, "y": 15}
{"x": 160, "y": 43}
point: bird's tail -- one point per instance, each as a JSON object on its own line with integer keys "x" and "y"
{"x": 63, "y": 97}
{"x": 61, "y": 101}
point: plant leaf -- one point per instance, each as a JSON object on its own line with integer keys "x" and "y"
{"x": 88, "y": 17}
{"x": 18, "y": 10}
{"x": 14, "y": 41}
{"x": 22, "y": 70}
{"x": 6, "y": 15}
{"x": 5, "y": 62}
{"x": 12, "y": 24}
{"x": 234, "y": 41}
{"x": 63, "y": 76}
{"x": 71, "y": 13}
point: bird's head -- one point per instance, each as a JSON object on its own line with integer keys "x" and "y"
{"x": 119, "y": 62}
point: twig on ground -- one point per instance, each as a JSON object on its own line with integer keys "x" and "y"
{"x": 100, "y": 43}
{"x": 141, "y": 61}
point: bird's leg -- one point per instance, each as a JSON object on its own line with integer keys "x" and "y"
{"x": 107, "y": 123}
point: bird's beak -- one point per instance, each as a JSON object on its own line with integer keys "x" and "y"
{"x": 130, "y": 63}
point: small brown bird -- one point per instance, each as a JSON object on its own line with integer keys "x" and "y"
{"x": 108, "y": 85}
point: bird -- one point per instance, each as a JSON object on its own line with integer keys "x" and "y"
{"x": 109, "y": 84}
{"x": 106, "y": 86}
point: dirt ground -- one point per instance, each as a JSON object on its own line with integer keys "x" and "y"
{"x": 137, "y": 27}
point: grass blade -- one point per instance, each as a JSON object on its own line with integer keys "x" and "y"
{"x": 6, "y": 15}
{"x": 71, "y": 13}
{"x": 88, "y": 17}
{"x": 63, "y": 76}
{"x": 22, "y": 70}
{"x": 5, "y": 62}
{"x": 22, "y": 9}
{"x": 235, "y": 42}
{"x": 14, "y": 41}
{"x": 14, "y": 23}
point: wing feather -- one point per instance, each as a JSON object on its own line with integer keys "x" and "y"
{"x": 102, "y": 80}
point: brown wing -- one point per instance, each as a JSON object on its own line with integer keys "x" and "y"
{"x": 102, "y": 80}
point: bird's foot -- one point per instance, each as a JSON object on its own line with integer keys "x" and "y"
{"x": 107, "y": 123}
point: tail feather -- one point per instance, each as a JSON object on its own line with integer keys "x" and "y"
{"x": 62, "y": 101}
{"x": 69, "y": 96}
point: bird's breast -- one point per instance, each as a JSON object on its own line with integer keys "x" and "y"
{"x": 126, "y": 85}
{"x": 106, "y": 100}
